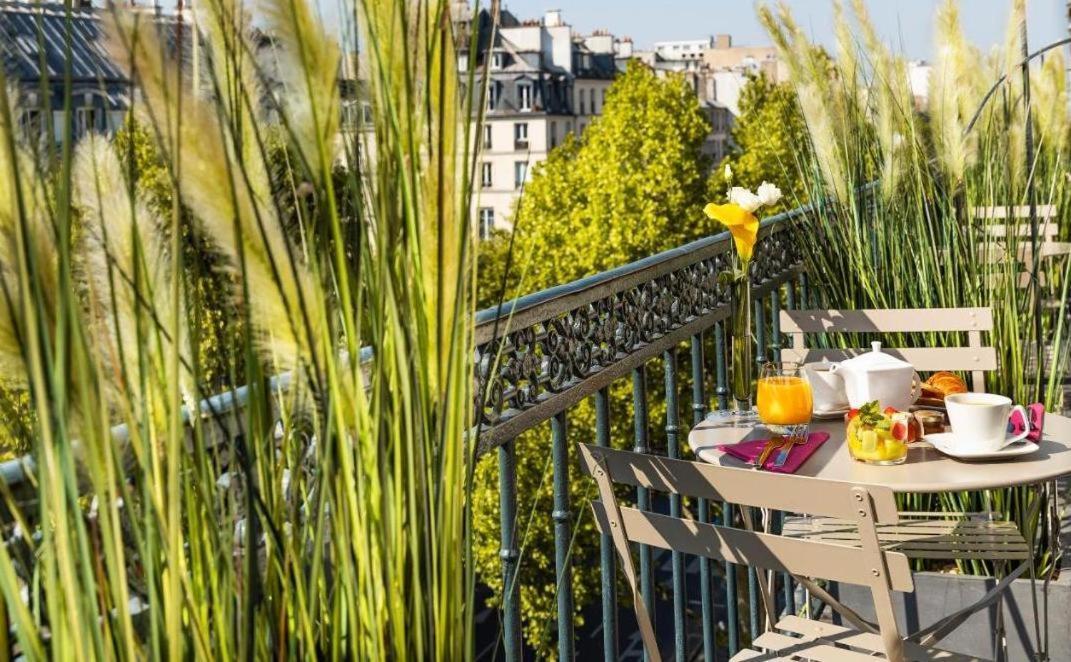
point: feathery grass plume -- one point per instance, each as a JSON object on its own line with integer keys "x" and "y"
{"x": 1006, "y": 62}
{"x": 850, "y": 67}
{"x": 229, "y": 196}
{"x": 893, "y": 102}
{"x": 809, "y": 70}
{"x": 225, "y": 25}
{"x": 1049, "y": 89}
{"x": 25, "y": 225}
{"x": 126, "y": 270}
{"x": 309, "y": 61}
{"x": 954, "y": 92}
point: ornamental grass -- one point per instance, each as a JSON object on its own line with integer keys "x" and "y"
{"x": 897, "y": 190}
{"x": 320, "y": 511}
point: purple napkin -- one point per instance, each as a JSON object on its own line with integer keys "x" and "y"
{"x": 749, "y": 451}
{"x": 1036, "y": 412}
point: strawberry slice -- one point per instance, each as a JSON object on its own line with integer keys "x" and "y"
{"x": 852, "y": 413}
{"x": 889, "y": 411}
{"x": 900, "y": 431}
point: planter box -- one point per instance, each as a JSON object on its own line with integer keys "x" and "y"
{"x": 938, "y": 595}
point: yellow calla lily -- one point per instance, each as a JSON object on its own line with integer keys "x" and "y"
{"x": 741, "y": 223}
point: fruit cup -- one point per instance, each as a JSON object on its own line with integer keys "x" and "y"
{"x": 878, "y": 437}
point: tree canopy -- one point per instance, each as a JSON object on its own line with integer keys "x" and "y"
{"x": 634, "y": 184}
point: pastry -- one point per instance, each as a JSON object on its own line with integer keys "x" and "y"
{"x": 941, "y": 384}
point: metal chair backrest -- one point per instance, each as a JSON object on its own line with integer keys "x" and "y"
{"x": 974, "y": 358}
{"x": 864, "y": 505}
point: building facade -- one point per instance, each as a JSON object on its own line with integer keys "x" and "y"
{"x": 717, "y": 71}
{"x": 544, "y": 82}
{"x": 33, "y": 55}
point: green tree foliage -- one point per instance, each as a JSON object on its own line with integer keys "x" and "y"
{"x": 632, "y": 186}
{"x": 771, "y": 143}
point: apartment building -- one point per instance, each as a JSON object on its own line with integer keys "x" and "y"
{"x": 717, "y": 70}
{"x": 544, "y": 82}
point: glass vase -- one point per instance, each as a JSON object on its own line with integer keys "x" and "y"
{"x": 741, "y": 361}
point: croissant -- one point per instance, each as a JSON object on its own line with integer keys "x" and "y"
{"x": 944, "y": 383}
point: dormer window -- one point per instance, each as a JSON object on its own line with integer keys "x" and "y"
{"x": 524, "y": 96}
{"x": 493, "y": 93}
{"x": 496, "y": 60}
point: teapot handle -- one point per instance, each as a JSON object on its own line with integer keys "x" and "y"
{"x": 916, "y": 387}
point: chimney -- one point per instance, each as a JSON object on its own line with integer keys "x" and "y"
{"x": 552, "y": 18}
{"x": 723, "y": 41}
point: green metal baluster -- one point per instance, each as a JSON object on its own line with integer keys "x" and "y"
{"x": 760, "y": 359}
{"x": 790, "y": 597}
{"x": 722, "y": 392}
{"x": 606, "y": 546}
{"x": 760, "y": 336}
{"x": 643, "y": 496}
{"x": 507, "y": 505}
{"x": 680, "y": 598}
{"x": 730, "y": 589}
{"x": 562, "y": 536}
{"x": 699, "y": 411}
{"x": 775, "y": 323}
{"x": 790, "y": 294}
{"x": 721, "y": 389}
{"x": 753, "y": 594}
{"x": 775, "y": 348}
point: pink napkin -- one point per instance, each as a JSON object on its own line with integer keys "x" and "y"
{"x": 1036, "y": 412}
{"x": 749, "y": 451}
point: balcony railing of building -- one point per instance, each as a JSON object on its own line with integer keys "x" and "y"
{"x": 541, "y": 355}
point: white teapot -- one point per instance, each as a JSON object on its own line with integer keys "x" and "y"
{"x": 876, "y": 375}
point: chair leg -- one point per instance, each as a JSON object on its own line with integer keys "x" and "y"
{"x": 617, "y": 534}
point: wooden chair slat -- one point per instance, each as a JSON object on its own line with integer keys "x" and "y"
{"x": 925, "y": 359}
{"x": 864, "y": 641}
{"x": 798, "y": 494}
{"x": 892, "y": 320}
{"x": 805, "y": 557}
{"x": 1046, "y": 230}
{"x": 1014, "y": 212}
{"x": 807, "y": 649}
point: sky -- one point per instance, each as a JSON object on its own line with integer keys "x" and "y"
{"x": 907, "y": 25}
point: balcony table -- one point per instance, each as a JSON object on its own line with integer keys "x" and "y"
{"x": 926, "y": 470}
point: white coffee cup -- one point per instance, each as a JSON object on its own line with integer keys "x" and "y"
{"x": 827, "y": 387}
{"x": 980, "y": 421}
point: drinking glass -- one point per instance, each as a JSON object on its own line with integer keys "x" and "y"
{"x": 784, "y": 399}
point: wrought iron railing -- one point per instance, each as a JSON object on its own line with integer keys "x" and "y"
{"x": 541, "y": 355}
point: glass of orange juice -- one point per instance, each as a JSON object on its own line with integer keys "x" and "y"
{"x": 784, "y": 399}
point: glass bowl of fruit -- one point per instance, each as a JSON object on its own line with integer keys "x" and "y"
{"x": 881, "y": 437}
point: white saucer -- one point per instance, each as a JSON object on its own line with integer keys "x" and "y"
{"x": 830, "y": 414}
{"x": 945, "y": 442}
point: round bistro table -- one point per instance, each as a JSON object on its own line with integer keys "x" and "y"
{"x": 926, "y": 470}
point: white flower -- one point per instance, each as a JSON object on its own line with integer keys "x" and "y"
{"x": 768, "y": 194}
{"x": 727, "y": 173}
{"x": 747, "y": 200}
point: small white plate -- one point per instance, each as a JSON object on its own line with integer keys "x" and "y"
{"x": 830, "y": 414}
{"x": 945, "y": 442}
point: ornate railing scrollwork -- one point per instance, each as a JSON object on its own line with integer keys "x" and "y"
{"x": 539, "y": 354}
